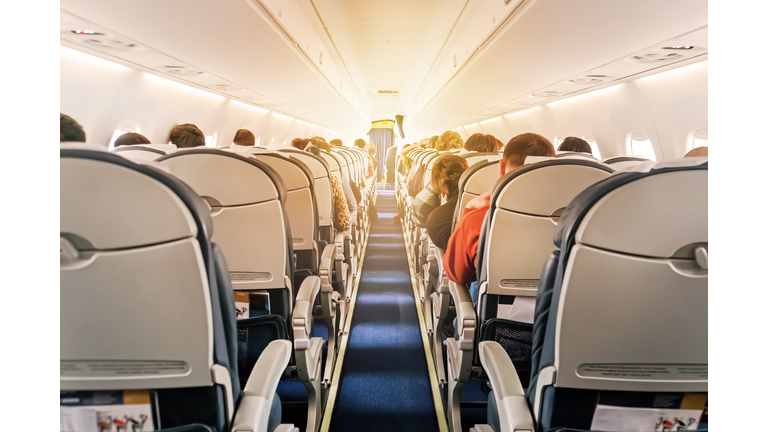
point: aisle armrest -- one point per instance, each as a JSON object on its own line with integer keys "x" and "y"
{"x": 326, "y": 268}
{"x": 466, "y": 318}
{"x": 302, "y": 312}
{"x": 514, "y": 414}
{"x": 259, "y": 392}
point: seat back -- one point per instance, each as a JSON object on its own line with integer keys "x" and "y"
{"x": 622, "y": 162}
{"x": 144, "y": 152}
{"x": 247, "y": 200}
{"x": 352, "y": 165}
{"x": 322, "y": 187}
{"x": 476, "y": 180}
{"x": 473, "y": 158}
{"x": 143, "y": 303}
{"x": 623, "y": 312}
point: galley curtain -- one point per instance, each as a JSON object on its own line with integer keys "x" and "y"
{"x": 383, "y": 139}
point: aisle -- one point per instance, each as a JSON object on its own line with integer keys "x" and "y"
{"x": 384, "y": 380}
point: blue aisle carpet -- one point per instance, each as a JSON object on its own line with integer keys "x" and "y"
{"x": 384, "y": 380}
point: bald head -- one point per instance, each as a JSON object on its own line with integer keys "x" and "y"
{"x": 698, "y": 152}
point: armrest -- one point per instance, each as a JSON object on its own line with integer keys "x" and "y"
{"x": 259, "y": 392}
{"x": 326, "y": 267}
{"x": 302, "y": 312}
{"x": 514, "y": 414}
{"x": 465, "y": 314}
{"x": 339, "y": 240}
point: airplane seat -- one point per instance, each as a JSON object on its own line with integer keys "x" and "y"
{"x": 624, "y": 162}
{"x": 475, "y": 181}
{"x": 620, "y": 327}
{"x": 515, "y": 240}
{"x": 247, "y": 200}
{"x": 144, "y": 152}
{"x": 116, "y": 217}
{"x": 473, "y": 158}
{"x": 569, "y": 154}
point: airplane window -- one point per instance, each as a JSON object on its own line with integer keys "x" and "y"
{"x": 595, "y": 150}
{"x": 698, "y": 142}
{"x": 210, "y": 140}
{"x": 642, "y": 148}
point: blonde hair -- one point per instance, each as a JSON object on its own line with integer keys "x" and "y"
{"x": 449, "y": 140}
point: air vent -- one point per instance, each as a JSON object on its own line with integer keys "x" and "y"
{"x": 227, "y": 87}
{"x": 589, "y": 79}
{"x": 181, "y": 70}
{"x": 114, "y": 44}
{"x": 546, "y": 94}
{"x": 87, "y": 32}
{"x": 653, "y": 57}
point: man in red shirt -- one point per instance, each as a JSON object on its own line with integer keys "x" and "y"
{"x": 460, "y": 259}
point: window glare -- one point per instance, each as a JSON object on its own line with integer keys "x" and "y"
{"x": 642, "y": 148}
{"x": 210, "y": 140}
{"x": 595, "y": 150}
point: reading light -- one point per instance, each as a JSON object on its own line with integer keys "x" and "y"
{"x": 86, "y": 32}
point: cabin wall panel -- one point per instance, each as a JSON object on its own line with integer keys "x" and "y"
{"x": 104, "y": 96}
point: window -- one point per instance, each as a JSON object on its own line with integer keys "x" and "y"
{"x": 558, "y": 141}
{"x": 699, "y": 142}
{"x": 642, "y": 148}
{"x": 595, "y": 150}
{"x": 210, "y": 140}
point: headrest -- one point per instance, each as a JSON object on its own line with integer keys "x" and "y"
{"x": 473, "y": 158}
{"x": 137, "y": 205}
{"x": 477, "y": 176}
{"x": 316, "y": 164}
{"x": 227, "y": 178}
{"x": 294, "y": 173}
{"x": 535, "y": 159}
{"x": 562, "y": 154}
{"x": 139, "y": 153}
{"x": 521, "y": 189}
{"x": 659, "y": 212}
{"x": 617, "y": 159}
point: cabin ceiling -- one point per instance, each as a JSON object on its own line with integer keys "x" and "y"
{"x": 450, "y": 62}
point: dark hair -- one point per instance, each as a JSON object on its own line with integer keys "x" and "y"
{"x": 575, "y": 145}
{"x": 244, "y": 137}
{"x": 187, "y": 135}
{"x": 300, "y": 143}
{"x": 70, "y": 130}
{"x": 360, "y": 143}
{"x": 446, "y": 174}
{"x": 527, "y": 144}
{"x": 480, "y": 143}
{"x": 131, "y": 138}
{"x": 336, "y": 142}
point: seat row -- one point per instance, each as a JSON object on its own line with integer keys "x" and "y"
{"x": 594, "y": 320}
{"x": 155, "y": 255}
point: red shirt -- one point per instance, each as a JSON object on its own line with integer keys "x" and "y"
{"x": 460, "y": 258}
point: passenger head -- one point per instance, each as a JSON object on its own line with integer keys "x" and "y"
{"x": 432, "y": 143}
{"x": 575, "y": 145}
{"x": 499, "y": 146}
{"x": 450, "y": 140}
{"x": 131, "y": 138}
{"x": 300, "y": 143}
{"x": 360, "y": 143}
{"x": 698, "y": 152}
{"x": 480, "y": 143}
{"x": 407, "y": 164}
{"x": 70, "y": 130}
{"x": 321, "y": 143}
{"x": 446, "y": 174}
{"x": 336, "y": 142}
{"x": 372, "y": 150}
{"x": 187, "y": 135}
{"x": 522, "y": 146}
{"x": 244, "y": 137}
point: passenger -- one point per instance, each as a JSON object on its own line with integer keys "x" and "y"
{"x": 461, "y": 254}
{"x": 244, "y": 137}
{"x": 347, "y": 186}
{"x": 445, "y": 181}
{"x": 70, "y": 130}
{"x": 574, "y": 144}
{"x": 433, "y": 141}
{"x": 480, "y": 143}
{"x": 361, "y": 144}
{"x": 131, "y": 138}
{"x": 341, "y": 217}
{"x": 374, "y": 160}
{"x": 336, "y": 143}
{"x": 698, "y": 152}
{"x": 449, "y": 140}
{"x": 499, "y": 146}
{"x": 187, "y": 135}
{"x": 389, "y": 163}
